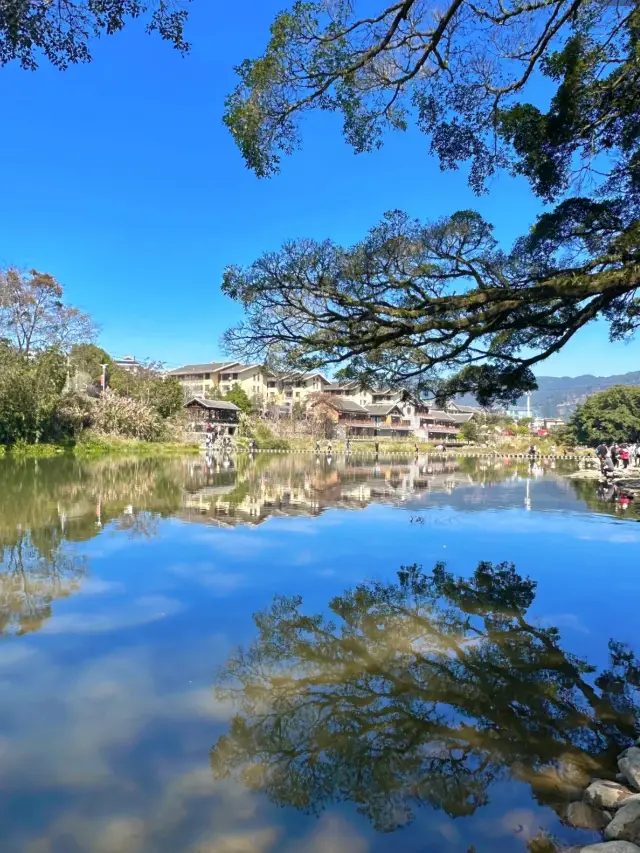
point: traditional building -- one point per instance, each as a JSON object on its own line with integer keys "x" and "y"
{"x": 219, "y": 413}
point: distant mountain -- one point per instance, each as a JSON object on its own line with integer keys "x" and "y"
{"x": 557, "y": 396}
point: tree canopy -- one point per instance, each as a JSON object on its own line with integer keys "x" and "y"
{"x": 33, "y": 315}
{"x": 61, "y": 31}
{"x": 439, "y": 305}
{"x": 238, "y": 396}
{"x": 611, "y": 415}
{"x": 442, "y": 301}
{"x": 423, "y": 691}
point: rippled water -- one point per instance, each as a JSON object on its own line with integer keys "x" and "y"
{"x": 271, "y": 656}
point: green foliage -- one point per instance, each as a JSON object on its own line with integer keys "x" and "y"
{"x": 239, "y": 398}
{"x": 61, "y": 32}
{"x": 414, "y": 302}
{"x": 30, "y": 390}
{"x": 166, "y": 396}
{"x": 89, "y": 358}
{"x": 611, "y": 415}
{"x": 470, "y": 431}
{"x": 258, "y": 430}
{"x": 431, "y": 689}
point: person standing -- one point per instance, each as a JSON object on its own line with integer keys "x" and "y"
{"x": 348, "y": 446}
{"x": 318, "y": 446}
{"x": 624, "y": 456}
{"x": 615, "y": 454}
{"x": 638, "y": 454}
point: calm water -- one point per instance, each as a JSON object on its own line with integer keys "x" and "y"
{"x": 226, "y": 660}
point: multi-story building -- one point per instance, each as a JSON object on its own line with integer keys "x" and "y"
{"x": 260, "y": 384}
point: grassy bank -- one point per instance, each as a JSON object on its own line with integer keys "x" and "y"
{"x": 96, "y": 447}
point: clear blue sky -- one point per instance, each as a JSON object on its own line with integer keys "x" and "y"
{"x": 120, "y": 180}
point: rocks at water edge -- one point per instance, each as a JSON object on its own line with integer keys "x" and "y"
{"x": 629, "y": 765}
{"x": 584, "y": 816}
{"x": 609, "y": 847}
{"x": 625, "y": 826}
{"x": 604, "y": 794}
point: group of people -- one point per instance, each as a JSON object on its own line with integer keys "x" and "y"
{"x": 617, "y": 455}
{"x": 213, "y": 435}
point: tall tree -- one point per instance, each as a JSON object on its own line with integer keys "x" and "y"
{"x": 611, "y": 415}
{"x": 61, "y": 31}
{"x": 413, "y": 302}
{"x": 34, "y": 317}
{"x": 413, "y": 298}
{"x": 420, "y": 692}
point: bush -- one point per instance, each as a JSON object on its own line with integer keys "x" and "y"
{"x": 126, "y": 417}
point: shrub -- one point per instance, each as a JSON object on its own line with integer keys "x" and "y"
{"x": 127, "y": 417}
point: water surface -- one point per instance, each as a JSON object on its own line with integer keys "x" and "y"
{"x": 259, "y": 655}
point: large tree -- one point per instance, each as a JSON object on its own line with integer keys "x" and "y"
{"x": 61, "y": 31}
{"x": 412, "y": 298}
{"x": 425, "y": 691}
{"x": 34, "y": 317}
{"x": 611, "y": 415}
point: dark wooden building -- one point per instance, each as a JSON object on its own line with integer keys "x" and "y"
{"x": 219, "y": 413}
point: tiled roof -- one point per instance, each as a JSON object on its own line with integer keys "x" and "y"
{"x": 340, "y": 404}
{"x": 439, "y": 415}
{"x": 381, "y": 408}
{"x": 213, "y": 404}
{"x": 210, "y": 367}
{"x": 461, "y": 417}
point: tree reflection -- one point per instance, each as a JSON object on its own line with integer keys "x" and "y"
{"x": 423, "y": 691}
{"x": 32, "y": 576}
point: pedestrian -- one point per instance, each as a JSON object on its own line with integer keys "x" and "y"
{"x": 417, "y": 449}
{"x": 348, "y": 446}
{"x": 377, "y": 447}
{"x": 614, "y": 453}
{"x": 532, "y": 451}
{"x": 638, "y": 454}
{"x": 329, "y": 448}
{"x": 318, "y": 446}
{"x": 624, "y": 456}
{"x": 602, "y": 451}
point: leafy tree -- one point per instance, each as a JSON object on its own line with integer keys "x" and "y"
{"x": 470, "y": 430}
{"x": 30, "y": 390}
{"x": 166, "y": 396}
{"x": 239, "y": 398}
{"x": 61, "y": 31}
{"x": 412, "y": 300}
{"x": 33, "y": 316}
{"x": 89, "y": 358}
{"x": 420, "y": 692}
{"x": 610, "y": 415}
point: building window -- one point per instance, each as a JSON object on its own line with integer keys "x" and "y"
{"x": 207, "y": 376}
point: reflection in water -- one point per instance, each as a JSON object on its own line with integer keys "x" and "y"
{"x": 47, "y": 503}
{"x": 425, "y": 691}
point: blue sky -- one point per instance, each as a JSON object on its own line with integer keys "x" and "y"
{"x": 120, "y": 180}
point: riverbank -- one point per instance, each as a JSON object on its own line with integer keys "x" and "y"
{"x": 94, "y": 448}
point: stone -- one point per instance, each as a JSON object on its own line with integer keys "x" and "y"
{"x": 604, "y": 794}
{"x": 629, "y": 764}
{"x": 626, "y": 824}
{"x": 620, "y": 777}
{"x": 584, "y": 816}
{"x": 611, "y": 847}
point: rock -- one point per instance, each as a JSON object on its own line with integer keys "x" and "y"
{"x": 584, "y": 816}
{"x": 629, "y": 764}
{"x": 626, "y": 824}
{"x": 611, "y": 847}
{"x": 621, "y": 778}
{"x": 604, "y": 794}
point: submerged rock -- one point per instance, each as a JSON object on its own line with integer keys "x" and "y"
{"x": 626, "y": 824}
{"x": 629, "y": 764}
{"x": 584, "y": 816}
{"x": 604, "y": 794}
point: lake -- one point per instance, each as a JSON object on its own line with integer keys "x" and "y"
{"x": 290, "y": 654}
